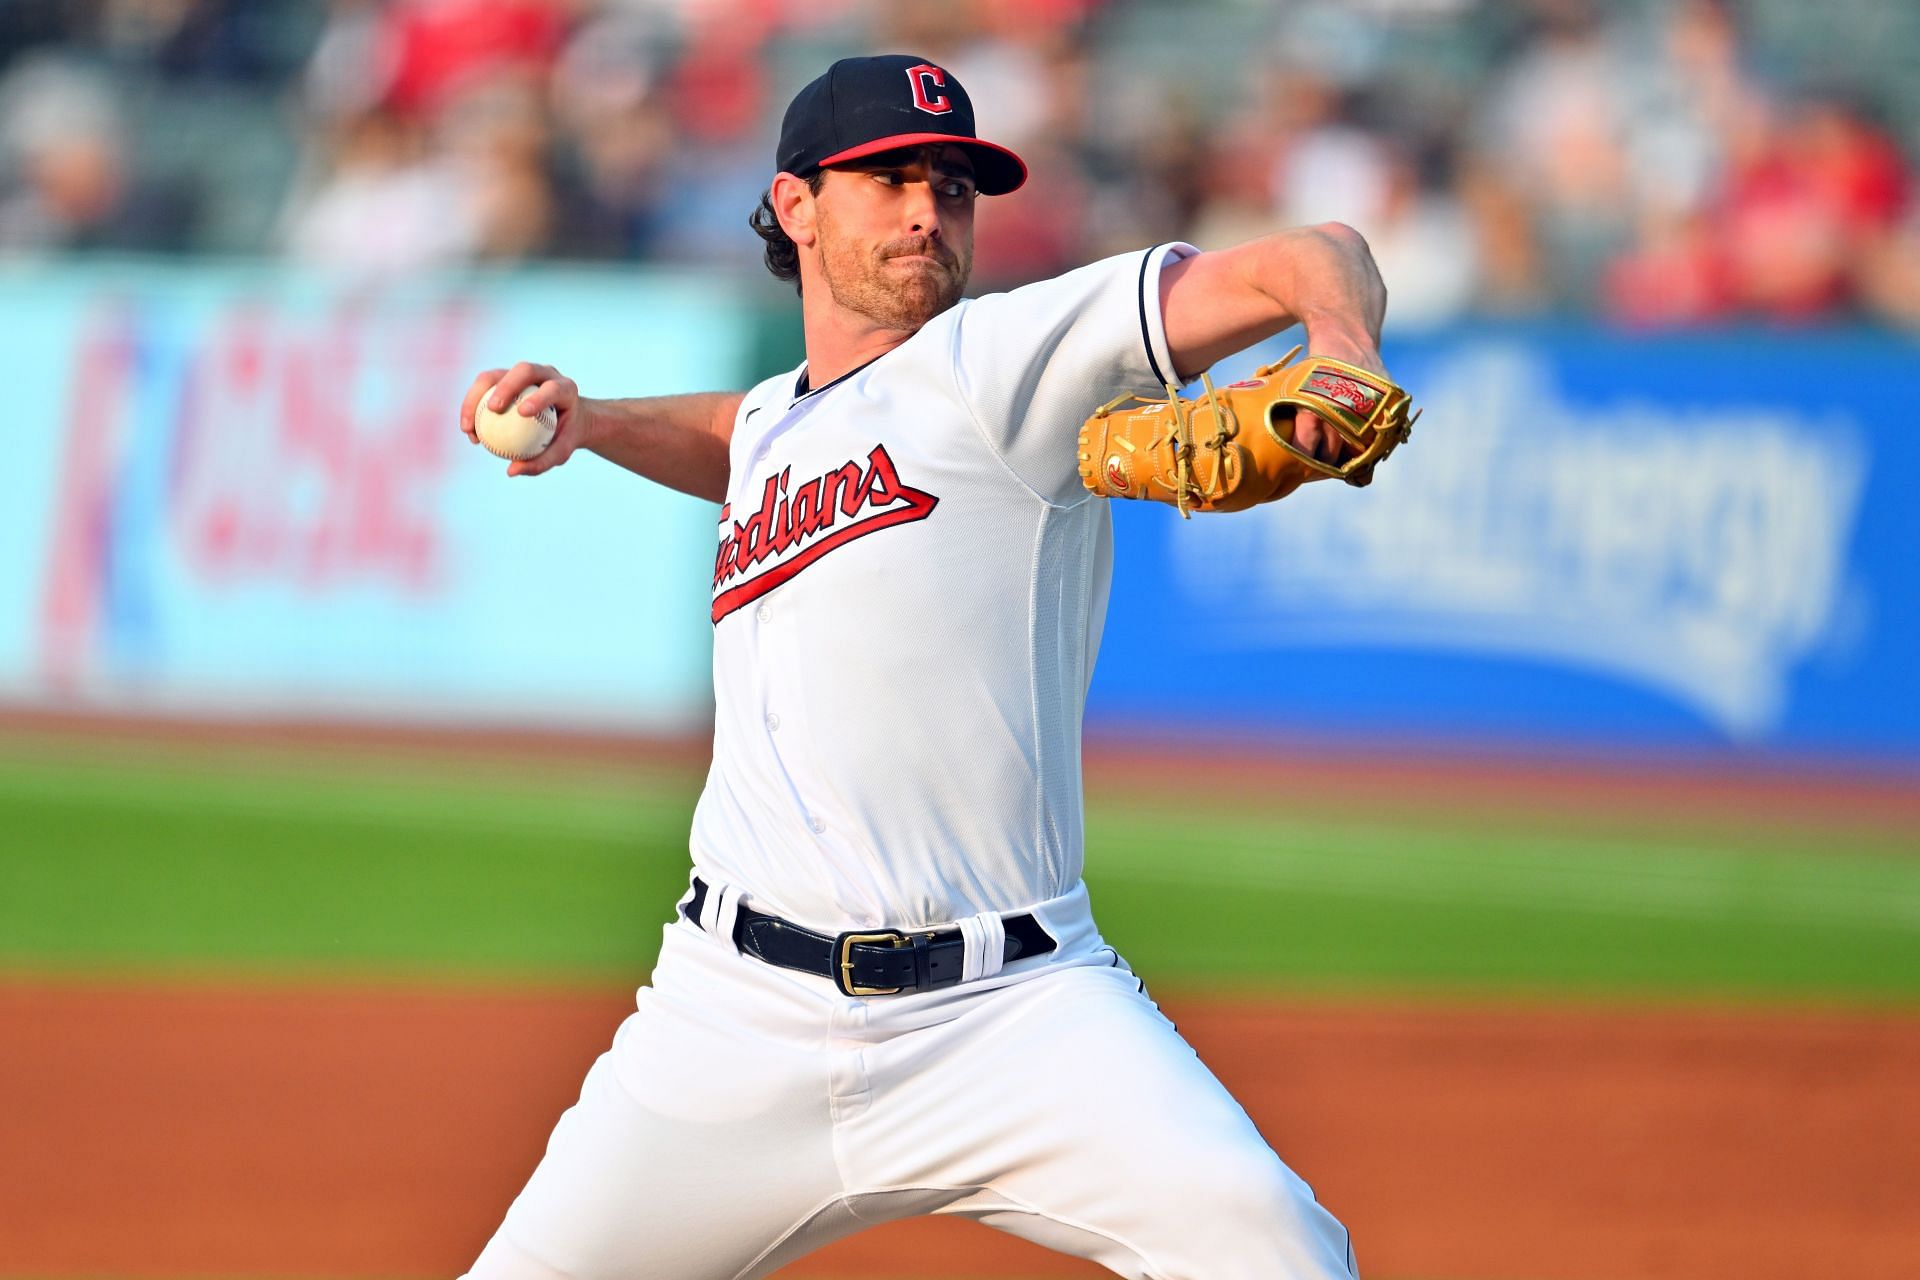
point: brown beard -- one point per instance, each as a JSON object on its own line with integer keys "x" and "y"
{"x": 861, "y": 282}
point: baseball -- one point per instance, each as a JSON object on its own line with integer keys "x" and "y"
{"x": 513, "y": 435}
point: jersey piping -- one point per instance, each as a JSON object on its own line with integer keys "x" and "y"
{"x": 1146, "y": 330}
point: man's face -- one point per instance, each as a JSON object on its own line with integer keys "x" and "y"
{"x": 896, "y": 234}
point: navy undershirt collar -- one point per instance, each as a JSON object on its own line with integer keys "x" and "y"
{"x": 801, "y": 390}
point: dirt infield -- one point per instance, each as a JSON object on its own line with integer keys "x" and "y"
{"x": 286, "y": 1131}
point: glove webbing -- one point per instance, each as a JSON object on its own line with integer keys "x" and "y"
{"x": 1185, "y": 488}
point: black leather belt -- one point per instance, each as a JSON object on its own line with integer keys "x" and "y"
{"x": 880, "y": 962}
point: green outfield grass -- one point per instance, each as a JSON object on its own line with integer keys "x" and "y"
{"x": 202, "y": 862}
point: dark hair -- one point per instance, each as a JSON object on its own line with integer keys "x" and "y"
{"x": 783, "y": 255}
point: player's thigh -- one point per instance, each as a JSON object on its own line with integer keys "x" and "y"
{"x": 1107, "y": 1137}
{"x": 683, "y": 1158}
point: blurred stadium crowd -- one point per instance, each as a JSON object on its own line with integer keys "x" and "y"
{"x": 1656, "y": 162}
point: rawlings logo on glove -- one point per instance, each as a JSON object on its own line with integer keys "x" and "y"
{"x": 1232, "y": 448}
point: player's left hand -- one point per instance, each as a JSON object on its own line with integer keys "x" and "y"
{"x": 1346, "y": 342}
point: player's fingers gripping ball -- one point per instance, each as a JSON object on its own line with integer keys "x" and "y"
{"x": 511, "y": 434}
{"x": 1233, "y": 447}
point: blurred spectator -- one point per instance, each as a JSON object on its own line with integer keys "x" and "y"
{"x": 496, "y": 138}
{"x": 1424, "y": 240}
{"x": 616, "y": 136}
{"x": 240, "y": 41}
{"x": 440, "y": 145}
{"x": 1889, "y": 274}
{"x": 1053, "y": 226}
{"x": 1554, "y": 130}
{"x": 1811, "y": 196}
{"x": 1693, "y": 109}
{"x": 1675, "y": 274}
{"x": 710, "y": 192}
{"x": 1512, "y": 280}
{"x": 718, "y": 86}
{"x": 1326, "y": 165}
{"x": 1504, "y": 156}
{"x": 1801, "y": 209}
{"x": 29, "y": 24}
{"x": 1688, "y": 104}
{"x": 1153, "y": 173}
{"x": 443, "y": 48}
{"x": 1250, "y": 174}
{"x": 1008, "y": 67}
{"x": 354, "y": 62}
{"x": 720, "y": 166}
{"x": 1022, "y": 240}
{"x": 385, "y": 205}
{"x": 65, "y": 178}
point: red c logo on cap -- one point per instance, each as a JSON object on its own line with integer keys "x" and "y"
{"x": 926, "y": 78}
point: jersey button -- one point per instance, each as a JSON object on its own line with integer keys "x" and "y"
{"x": 814, "y": 822}
{"x": 773, "y": 722}
{"x": 764, "y": 613}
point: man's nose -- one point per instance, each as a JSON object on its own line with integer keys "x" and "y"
{"x": 922, "y": 210}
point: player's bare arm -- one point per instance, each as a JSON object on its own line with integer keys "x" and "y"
{"x": 677, "y": 441}
{"x": 1324, "y": 277}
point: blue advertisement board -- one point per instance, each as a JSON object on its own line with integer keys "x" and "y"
{"x": 246, "y": 494}
{"x": 1702, "y": 542}
{"x": 249, "y": 494}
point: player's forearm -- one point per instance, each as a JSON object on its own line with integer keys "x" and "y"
{"x": 678, "y": 441}
{"x": 1323, "y": 277}
{"x": 1220, "y": 303}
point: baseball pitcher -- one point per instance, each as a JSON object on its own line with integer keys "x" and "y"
{"x": 884, "y": 993}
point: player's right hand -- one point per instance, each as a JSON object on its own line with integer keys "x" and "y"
{"x": 551, "y": 389}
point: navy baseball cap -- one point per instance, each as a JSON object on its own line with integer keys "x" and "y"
{"x": 863, "y": 106}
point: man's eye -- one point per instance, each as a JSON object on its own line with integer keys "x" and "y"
{"x": 956, "y": 190}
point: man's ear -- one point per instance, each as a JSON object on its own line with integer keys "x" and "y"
{"x": 793, "y": 204}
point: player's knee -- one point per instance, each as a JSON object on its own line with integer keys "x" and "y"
{"x": 1252, "y": 1194}
{"x": 1231, "y": 1181}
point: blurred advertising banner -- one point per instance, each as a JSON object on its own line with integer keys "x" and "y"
{"x": 241, "y": 492}
{"x": 1690, "y": 542}
{"x": 244, "y": 492}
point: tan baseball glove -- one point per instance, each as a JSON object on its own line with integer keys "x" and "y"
{"x": 1232, "y": 448}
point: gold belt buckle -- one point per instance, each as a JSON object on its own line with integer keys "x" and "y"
{"x": 891, "y": 938}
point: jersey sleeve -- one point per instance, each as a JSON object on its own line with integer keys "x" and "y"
{"x": 1031, "y": 364}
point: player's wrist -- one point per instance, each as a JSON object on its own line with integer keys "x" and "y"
{"x": 589, "y": 415}
{"x": 1342, "y": 337}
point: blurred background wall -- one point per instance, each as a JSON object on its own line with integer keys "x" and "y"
{"x": 1655, "y": 270}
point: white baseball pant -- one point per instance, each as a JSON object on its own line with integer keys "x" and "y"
{"x": 747, "y": 1115}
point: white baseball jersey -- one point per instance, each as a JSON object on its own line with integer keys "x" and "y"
{"x": 907, "y": 600}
